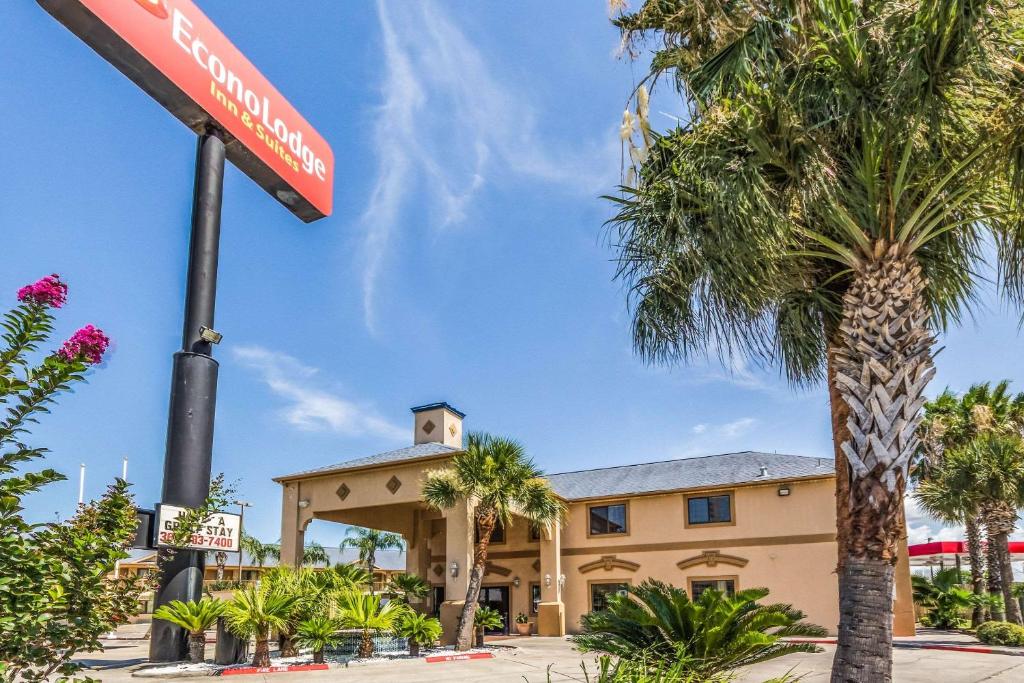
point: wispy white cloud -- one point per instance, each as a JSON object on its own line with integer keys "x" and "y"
{"x": 731, "y": 430}
{"x": 309, "y": 407}
{"x": 699, "y": 428}
{"x": 448, "y": 126}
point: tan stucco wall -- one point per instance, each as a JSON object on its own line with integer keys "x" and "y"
{"x": 785, "y": 543}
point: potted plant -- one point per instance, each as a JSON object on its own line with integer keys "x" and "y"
{"x": 522, "y": 624}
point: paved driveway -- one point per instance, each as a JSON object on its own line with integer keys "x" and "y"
{"x": 531, "y": 659}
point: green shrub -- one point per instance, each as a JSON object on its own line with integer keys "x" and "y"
{"x": 657, "y": 624}
{"x": 1001, "y": 633}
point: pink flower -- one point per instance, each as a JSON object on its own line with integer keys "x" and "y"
{"x": 87, "y": 344}
{"x": 49, "y": 291}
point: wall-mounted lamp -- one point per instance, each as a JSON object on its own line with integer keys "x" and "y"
{"x": 561, "y": 581}
{"x": 454, "y": 569}
{"x": 547, "y": 580}
{"x": 784, "y": 490}
{"x": 303, "y": 503}
{"x": 516, "y": 582}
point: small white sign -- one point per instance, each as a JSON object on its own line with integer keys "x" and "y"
{"x": 220, "y": 531}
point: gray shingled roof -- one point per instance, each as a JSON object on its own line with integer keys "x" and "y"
{"x": 420, "y": 450}
{"x": 686, "y": 473}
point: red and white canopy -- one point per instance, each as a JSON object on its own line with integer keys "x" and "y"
{"x": 945, "y": 553}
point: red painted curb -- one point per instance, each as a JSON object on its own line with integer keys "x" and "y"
{"x": 242, "y": 671}
{"x": 963, "y": 648}
{"x": 459, "y": 658}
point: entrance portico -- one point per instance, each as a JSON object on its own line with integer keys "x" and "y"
{"x": 384, "y": 492}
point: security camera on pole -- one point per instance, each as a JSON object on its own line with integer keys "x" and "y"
{"x": 178, "y": 56}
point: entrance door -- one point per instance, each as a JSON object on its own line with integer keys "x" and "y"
{"x": 438, "y": 599}
{"x": 496, "y": 597}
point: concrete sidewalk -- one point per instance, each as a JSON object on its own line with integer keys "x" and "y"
{"x": 534, "y": 659}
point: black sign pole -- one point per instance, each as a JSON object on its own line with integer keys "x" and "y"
{"x": 193, "y": 399}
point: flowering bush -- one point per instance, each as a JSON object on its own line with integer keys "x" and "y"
{"x": 48, "y": 291}
{"x": 56, "y": 599}
{"x": 87, "y": 344}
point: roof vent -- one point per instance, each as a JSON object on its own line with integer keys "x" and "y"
{"x": 764, "y": 471}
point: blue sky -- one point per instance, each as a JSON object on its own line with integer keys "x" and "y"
{"x": 465, "y": 260}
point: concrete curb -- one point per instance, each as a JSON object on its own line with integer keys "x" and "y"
{"x": 973, "y": 649}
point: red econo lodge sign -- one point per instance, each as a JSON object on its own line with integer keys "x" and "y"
{"x": 176, "y": 54}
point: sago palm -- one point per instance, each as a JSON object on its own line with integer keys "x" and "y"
{"x": 419, "y": 630}
{"x": 257, "y": 610}
{"x": 196, "y": 618}
{"x": 365, "y": 612}
{"x": 713, "y": 635}
{"x": 495, "y": 478}
{"x": 318, "y": 633}
{"x": 486, "y": 619}
{"x": 368, "y": 542}
{"x": 823, "y": 206}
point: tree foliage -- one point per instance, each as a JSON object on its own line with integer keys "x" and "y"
{"x": 56, "y": 596}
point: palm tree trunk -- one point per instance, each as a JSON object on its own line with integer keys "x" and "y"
{"x": 464, "y": 637}
{"x": 995, "y": 575}
{"x": 286, "y": 644}
{"x": 197, "y": 648}
{"x": 261, "y": 654}
{"x": 414, "y": 648}
{"x": 366, "y": 645}
{"x": 977, "y": 559}
{"x": 318, "y": 656}
{"x": 1007, "y": 517}
{"x": 882, "y": 366}
{"x": 840, "y": 434}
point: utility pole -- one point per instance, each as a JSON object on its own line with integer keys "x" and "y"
{"x": 241, "y": 530}
{"x": 189, "y": 450}
{"x": 124, "y": 468}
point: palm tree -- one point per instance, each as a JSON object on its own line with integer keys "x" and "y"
{"x": 369, "y": 541}
{"x": 493, "y": 475}
{"x": 350, "y": 575}
{"x": 990, "y": 470}
{"x": 714, "y": 634}
{"x": 943, "y": 596}
{"x": 195, "y": 618}
{"x": 311, "y": 593}
{"x": 408, "y": 587}
{"x": 937, "y": 496}
{"x": 318, "y": 633}
{"x": 364, "y": 611}
{"x": 821, "y": 207}
{"x": 259, "y": 551}
{"x": 419, "y": 630}
{"x": 314, "y": 554}
{"x": 951, "y": 422}
{"x": 255, "y": 611}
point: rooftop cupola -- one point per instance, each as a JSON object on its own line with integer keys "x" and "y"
{"x": 437, "y": 423}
